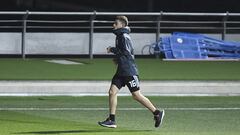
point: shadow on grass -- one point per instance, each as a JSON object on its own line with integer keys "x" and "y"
{"x": 22, "y": 121}
{"x": 80, "y": 131}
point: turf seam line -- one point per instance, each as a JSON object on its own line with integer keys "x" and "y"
{"x": 121, "y": 109}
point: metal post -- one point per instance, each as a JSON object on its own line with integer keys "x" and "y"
{"x": 24, "y": 30}
{"x": 91, "y": 32}
{"x": 224, "y": 32}
{"x": 159, "y": 18}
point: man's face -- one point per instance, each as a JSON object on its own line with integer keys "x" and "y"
{"x": 117, "y": 24}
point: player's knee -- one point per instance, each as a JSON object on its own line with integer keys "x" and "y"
{"x": 112, "y": 92}
{"x": 136, "y": 96}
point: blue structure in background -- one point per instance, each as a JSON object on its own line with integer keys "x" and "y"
{"x": 196, "y": 46}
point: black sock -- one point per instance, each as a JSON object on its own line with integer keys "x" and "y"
{"x": 112, "y": 117}
{"x": 156, "y": 112}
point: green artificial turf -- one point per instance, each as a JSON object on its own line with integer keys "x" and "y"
{"x": 104, "y": 69}
{"x": 130, "y": 122}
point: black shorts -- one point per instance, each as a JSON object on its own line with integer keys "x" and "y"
{"x": 132, "y": 82}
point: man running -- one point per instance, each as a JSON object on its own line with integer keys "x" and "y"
{"x": 127, "y": 74}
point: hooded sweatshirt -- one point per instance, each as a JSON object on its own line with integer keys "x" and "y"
{"x": 124, "y": 53}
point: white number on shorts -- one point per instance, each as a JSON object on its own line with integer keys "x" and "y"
{"x": 133, "y": 83}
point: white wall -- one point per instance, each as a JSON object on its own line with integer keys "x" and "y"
{"x": 76, "y": 43}
{"x": 57, "y": 43}
{"x": 10, "y": 43}
{"x": 233, "y": 37}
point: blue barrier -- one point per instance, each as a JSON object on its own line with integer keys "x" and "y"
{"x": 196, "y": 46}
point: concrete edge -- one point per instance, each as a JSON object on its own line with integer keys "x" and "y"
{"x": 100, "y": 88}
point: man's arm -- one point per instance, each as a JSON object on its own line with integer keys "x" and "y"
{"x": 118, "y": 51}
{"x": 114, "y": 50}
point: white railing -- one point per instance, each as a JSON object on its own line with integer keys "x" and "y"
{"x": 92, "y": 20}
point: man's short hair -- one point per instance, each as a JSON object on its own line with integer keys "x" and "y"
{"x": 123, "y": 19}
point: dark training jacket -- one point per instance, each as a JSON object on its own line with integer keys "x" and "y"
{"x": 124, "y": 53}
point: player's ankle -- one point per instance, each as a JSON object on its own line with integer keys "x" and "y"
{"x": 112, "y": 117}
{"x": 156, "y": 112}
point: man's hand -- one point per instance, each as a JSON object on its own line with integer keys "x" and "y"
{"x": 109, "y": 49}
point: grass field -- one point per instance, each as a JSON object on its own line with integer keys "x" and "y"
{"x": 103, "y": 69}
{"x": 130, "y": 122}
{"x": 79, "y": 115}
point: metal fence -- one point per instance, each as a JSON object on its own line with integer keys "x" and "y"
{"x": 146, "y": 22}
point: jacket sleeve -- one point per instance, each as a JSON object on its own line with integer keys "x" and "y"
{"x": 116, "y": 51}
{"x": 119, "y": 51}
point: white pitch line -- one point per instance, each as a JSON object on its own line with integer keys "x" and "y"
{"x": 121, "y": 109}
{"x": 203, "y": 109}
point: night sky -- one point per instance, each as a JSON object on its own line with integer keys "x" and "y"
{"x": 122, "y": 5}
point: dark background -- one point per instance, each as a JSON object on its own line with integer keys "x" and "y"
{"x": 122, "y": 5}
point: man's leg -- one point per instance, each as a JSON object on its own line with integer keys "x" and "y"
{"x": 137, "y": 95}
{"x": 113, "y": 100}
{"x": 158, "y": 115}
{"x": 110, "y": 121}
